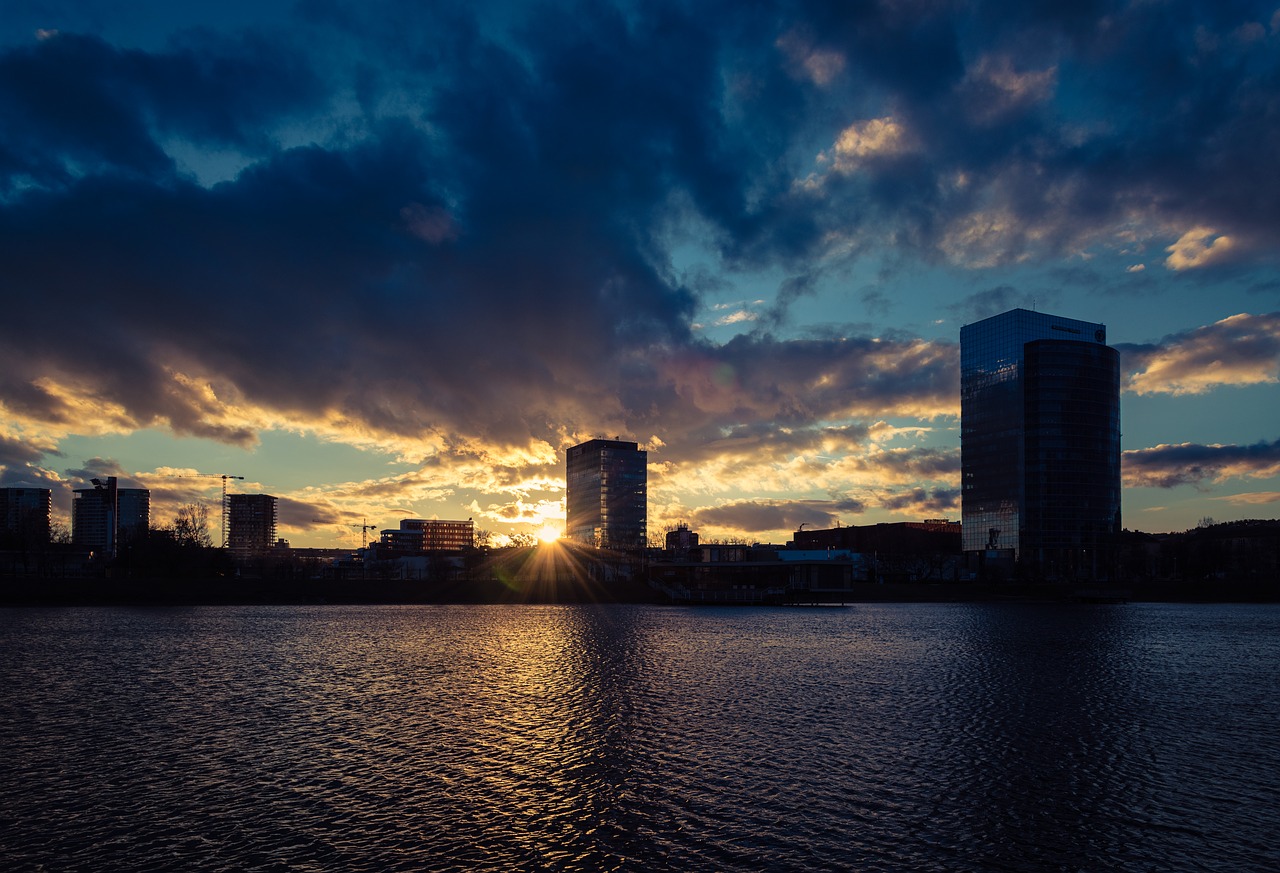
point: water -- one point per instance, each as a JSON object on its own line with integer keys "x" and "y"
{"x": 878, "y": 737}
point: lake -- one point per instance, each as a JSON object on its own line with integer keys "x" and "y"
{"x": 878, "y": 737}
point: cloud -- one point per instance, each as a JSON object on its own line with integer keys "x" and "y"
{"x": 1198, "y": 247}
{"x": 764, "y": 517}
{"x": 1240, "y": 350}
{"x": 818, "y": 65}
{"x": 864, "y": 140}
{"x": 995, "y": 86}
{"x": 1251, "y": 498}
{"x": 1169, "y": 466}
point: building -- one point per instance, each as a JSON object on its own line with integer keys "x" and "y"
{"x": 419, "y": 535}
{"x": 681, "y": 539}
{"x": 933, "y": 536}
{"x": 251, "y": 523}
{"x": 606, "y": 494}
{"x": 106, "y": 515}
{"x": 1040, "y": 443}
{"x": 24, "y": 515}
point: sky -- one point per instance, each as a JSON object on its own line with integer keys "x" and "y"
{"x": 389, "y": 260}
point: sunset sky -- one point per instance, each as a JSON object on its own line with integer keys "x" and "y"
{"x": 391, "y": 259}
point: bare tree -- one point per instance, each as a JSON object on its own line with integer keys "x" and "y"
{"x": 191, "y": 526}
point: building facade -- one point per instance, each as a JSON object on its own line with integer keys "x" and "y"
{"x": 24, "y": 515}
{"x": 606, "y": 494}
{"x": 418, "y": 535}
{"x": 1040, "y": 443}
{"x": 251, "y": 523}
{"x": 106, "y": 515}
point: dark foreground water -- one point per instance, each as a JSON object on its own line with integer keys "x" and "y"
{"x": 877, "y": 737}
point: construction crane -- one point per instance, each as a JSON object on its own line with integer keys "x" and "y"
{"x": 365, "y": 527}
{"x": 224, "y": 477}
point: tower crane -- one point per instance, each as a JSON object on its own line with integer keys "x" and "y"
{"x": 224, "y": 477}
{"x": 365, "y": 527}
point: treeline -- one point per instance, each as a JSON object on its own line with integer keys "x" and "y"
{"x": 1235, "y": 551}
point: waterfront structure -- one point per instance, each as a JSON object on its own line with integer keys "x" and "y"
{"x": 106, "y": 515}
{"x": 418, "y": 535}
{"x": 251, "y": 527}
{"x": 1040, "y": 443}
{"x": 24, "y": 515}
{"x": 606, "y": 494}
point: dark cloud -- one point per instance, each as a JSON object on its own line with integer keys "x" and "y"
{"x": 18, "y": 459}
{"x": 753, "y": 517}
{"x": 305, "y": 515}
{"x": 75, "y": 104}
{"x": 938, "y": 502}
{"x": 921, "y": 463}
{"x": 1168, "y": 466}
{"x": 758, "y": 388}
{"x": 992, "y": 301}
{"x": 99, "y": 468}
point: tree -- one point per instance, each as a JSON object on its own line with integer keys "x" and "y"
{"x": 191, "y": 526}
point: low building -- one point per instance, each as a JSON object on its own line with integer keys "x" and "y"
{"x": 904, "y": 551}
{"x": 418, "y": 536}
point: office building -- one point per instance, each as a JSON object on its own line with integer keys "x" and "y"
{"x": 606, "y": 494}
{"x": 251, "y": 523}
{"x": 418, "y": 535}
{"x": 1040, "y": 443}
{"x": 24, "y": 515}
{"x": 105, "y": 516}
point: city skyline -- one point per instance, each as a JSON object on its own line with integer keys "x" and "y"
{"x": 392, "y": 263}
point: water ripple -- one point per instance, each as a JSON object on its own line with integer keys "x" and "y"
{"x": 994, "y": 737}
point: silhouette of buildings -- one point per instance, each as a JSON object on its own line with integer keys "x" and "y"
{"x": 24, "y": 515}
{"x": 251, "y": 523}
{"x": 606, "y": 499}
{"x": 106, "y": 515}
{"x": 1040, "y": 443}
{"x": 915, "y": 538}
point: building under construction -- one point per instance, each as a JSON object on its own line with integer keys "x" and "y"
{"x": 251, "y": 523}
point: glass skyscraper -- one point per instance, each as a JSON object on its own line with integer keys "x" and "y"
{"x": 606, "y": 494}
{"x": 1040, "y": 442}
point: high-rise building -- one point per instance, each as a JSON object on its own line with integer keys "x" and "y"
{"x": 106, "y": 515}
{"x": 251, "y": 523}
{"x": 24, "y": 515}
{"x": 1040, "y": 442}
{"x": 606, "y": 494}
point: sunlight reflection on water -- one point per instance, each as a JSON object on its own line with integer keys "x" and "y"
{"x": 880, "y": 737}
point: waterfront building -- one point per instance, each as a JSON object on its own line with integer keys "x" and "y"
{"x": 418, "y": 535}
{"x": 24, "y": 515}
{"x": 251, "y": 523}
{"x": 106, "y": 515}
{"x": 1040, "y": 443}
{"x": 606, "y": 494}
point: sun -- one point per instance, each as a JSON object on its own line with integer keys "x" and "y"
{"x": 548, "y": 534}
